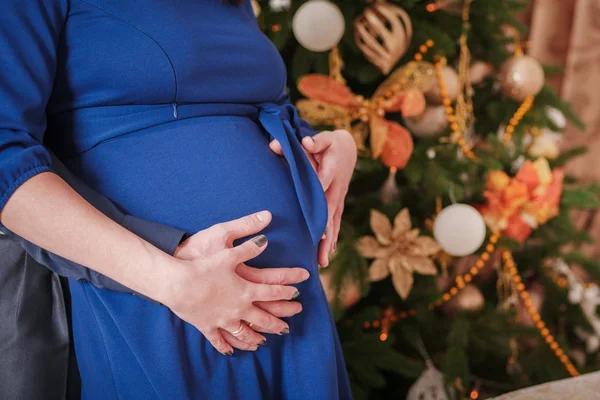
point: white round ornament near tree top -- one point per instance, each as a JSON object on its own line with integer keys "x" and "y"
{"x": 459, "y": 229}
{"x": 318, "y": 25}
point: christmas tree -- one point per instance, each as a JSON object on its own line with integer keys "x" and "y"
{"x": 455, "y": 267}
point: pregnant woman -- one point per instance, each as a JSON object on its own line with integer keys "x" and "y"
{"x": 175, "y": 111}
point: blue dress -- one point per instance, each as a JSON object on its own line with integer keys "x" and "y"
{"x": 167, "y": 108}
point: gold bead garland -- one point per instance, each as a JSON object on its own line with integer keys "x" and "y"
{"x": 514, "y": 121}
{"x": 450, "y": 114}
{"x": 462, "y": 114}
{"x": 390, "y": 317}
{"x": 535, "y": 316}
{"x": 374, "y": 105}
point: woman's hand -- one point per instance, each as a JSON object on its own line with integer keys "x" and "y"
{"x": 229, "y": 292}
{"x": 333, "y": 154}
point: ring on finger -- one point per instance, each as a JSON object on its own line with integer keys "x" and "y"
{"x": 238, "y": 330}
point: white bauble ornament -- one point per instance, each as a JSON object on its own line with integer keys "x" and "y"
{"x": 521, "y": 76}
{"x": 428, "y": 125}
{"x": 450, "y": 79}
{"x": 556, "y": 116}
{"x": 429, "y": 386}
{"x": 459, "y": 229}
{"x": 318, "y": 25}
{"x": 279, "y": 5}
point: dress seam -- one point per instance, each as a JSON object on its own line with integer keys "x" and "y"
{"x": 123, "y": 136}
{"x": 112, "y": 375}
{"x": 145, "y": 34}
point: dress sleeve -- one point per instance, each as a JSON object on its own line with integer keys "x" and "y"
{"x": 29, "y": 34}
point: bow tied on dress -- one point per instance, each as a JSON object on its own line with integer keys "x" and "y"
{"x": 281, "y": 122}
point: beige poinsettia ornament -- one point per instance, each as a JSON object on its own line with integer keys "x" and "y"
{"x": 399, "y": 250}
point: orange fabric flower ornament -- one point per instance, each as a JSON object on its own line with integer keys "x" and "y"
{"x": 330, "y": 102}
{"x": 516, "y": 206}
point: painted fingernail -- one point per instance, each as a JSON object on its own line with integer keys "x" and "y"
{"x": 229, "y": 353}
{"x": 296, "y": 294}
{"x": 262, "y": 342}
{"x": 285, "y": 331}
{"x": 262, "y": 216}
{"x": 260, "y": 240}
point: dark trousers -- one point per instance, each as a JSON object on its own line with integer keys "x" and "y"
{"x": 36, "y": 353}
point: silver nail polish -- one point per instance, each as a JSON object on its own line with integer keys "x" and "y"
{"x": 260, "y": 240}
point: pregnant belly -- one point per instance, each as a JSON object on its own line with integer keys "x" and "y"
{"x": 194, "y": 173}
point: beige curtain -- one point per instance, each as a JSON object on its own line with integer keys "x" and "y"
{"x": 567, "y": 32}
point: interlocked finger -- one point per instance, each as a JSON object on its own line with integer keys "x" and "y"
{"x": 216, "y": 339}
{"x": 266, "y": 322}
{"x": 244, "y": 334}
{"x": 238, "y": 344}
{"x": 266, "y": 292}
{"x": 273, "y": 276}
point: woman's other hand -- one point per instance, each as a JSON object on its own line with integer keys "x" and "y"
{"x": 231, "y": 293}
{"x": 333, "y": 155}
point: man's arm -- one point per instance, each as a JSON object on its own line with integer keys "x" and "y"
{"x": 164, "y": 237}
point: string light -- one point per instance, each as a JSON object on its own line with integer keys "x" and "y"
{"x": 535, "y": 316}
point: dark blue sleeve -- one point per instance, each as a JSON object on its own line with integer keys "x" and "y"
{"x": 29, "y": 32}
